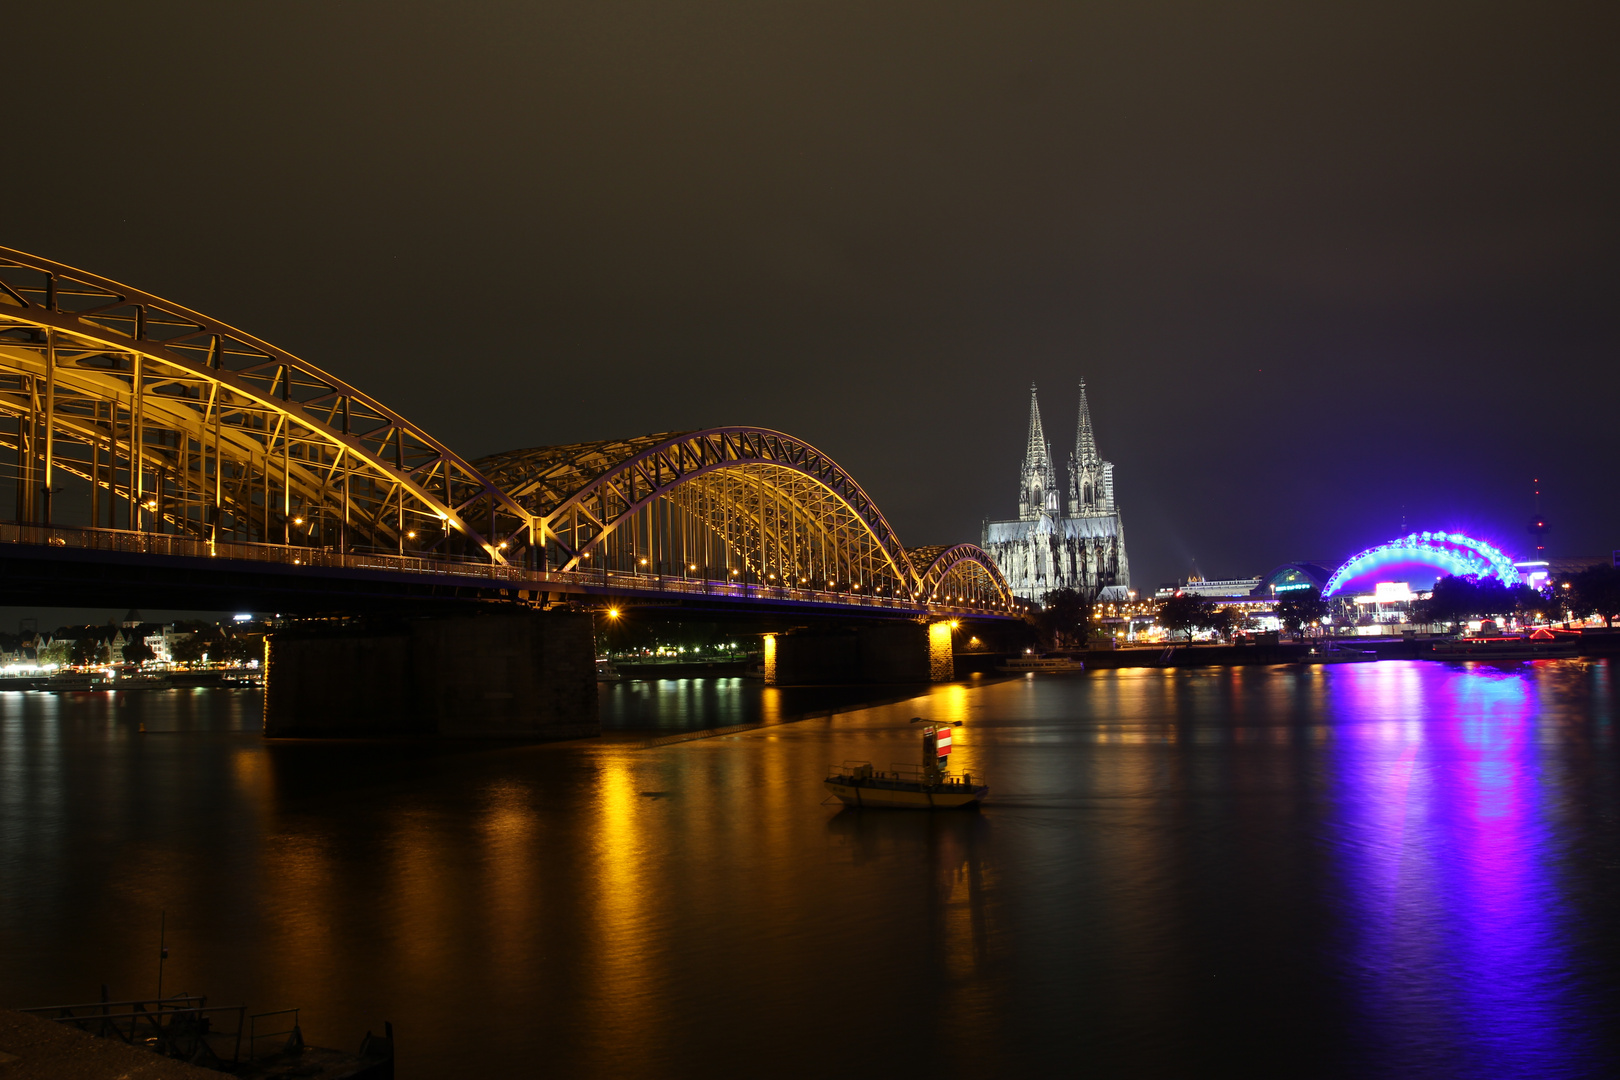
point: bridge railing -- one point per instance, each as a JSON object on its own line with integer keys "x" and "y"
{"x": 514, "y": 577}
{"x": 155, "y": 543}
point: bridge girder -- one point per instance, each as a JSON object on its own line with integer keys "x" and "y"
{"x": 192, "y": 425}
{"x": 782, "y": 510}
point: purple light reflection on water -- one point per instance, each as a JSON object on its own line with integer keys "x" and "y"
{"x": 1461, "y": 942}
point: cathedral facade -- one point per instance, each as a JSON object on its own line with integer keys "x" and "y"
{"x": 1069, "y": 538}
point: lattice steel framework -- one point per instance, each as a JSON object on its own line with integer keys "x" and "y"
{"x": 958, "y": 573}
{"x": 733, "y": 503}
{"x": 146, "y": 415}
{"x": 122, "y": 410}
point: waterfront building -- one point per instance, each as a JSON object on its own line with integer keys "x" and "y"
{"x": 1070, "y": 537}
{"x": 1305, "y": 574}
{"x": 1227, "y": 589}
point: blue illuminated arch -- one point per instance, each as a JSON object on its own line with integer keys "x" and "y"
{"x": 1453, "y": 553}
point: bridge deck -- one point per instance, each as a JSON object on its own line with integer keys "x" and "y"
{"x": 420, "y": 577}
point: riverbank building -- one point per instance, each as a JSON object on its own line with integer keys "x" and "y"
{"x": 1064, "y": 537}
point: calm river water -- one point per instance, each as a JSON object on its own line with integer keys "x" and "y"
{"x": 1392, "y": 869}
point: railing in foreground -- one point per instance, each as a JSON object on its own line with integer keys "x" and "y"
{"x": 514, "y": 577}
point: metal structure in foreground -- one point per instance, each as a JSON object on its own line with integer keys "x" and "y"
{"x": 131, "y": 423}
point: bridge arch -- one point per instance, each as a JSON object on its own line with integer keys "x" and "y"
{"x": 144, "y": 414}
{"x": 731, "y": 503}
{"x": 964, "y": 571}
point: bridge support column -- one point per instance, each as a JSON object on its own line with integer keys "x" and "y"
{"x": 527, "y": 675}
{"x": 883, "y": 653}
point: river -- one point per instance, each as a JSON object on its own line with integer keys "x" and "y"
{"x": 1391, "y": 869}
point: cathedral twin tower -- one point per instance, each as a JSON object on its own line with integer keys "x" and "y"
{"x": 1070, "y": 539}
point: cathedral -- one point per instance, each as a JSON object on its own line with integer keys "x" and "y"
{"x": 1048, "y": 548}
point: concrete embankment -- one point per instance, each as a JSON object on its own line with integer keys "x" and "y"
{"x": 1594, "y": 644}
{"x": 1193, "y": 655}
{"x": 35, "y": 1049}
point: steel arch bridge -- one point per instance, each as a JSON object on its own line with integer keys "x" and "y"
{"x": 137, "y": 415}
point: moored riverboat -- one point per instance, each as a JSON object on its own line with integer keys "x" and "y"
{"x": 1023, "y": 665}
{"x": 1333, "y": 654}
{"x": 1538, "y": 645}
{"x": 72, "y": 680}
{"x": 141, "y": 682}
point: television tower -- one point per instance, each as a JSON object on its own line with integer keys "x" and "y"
{"x": 1538, "y": 526}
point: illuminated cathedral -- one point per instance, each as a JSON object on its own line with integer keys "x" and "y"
{"x": 1063, "y": 539}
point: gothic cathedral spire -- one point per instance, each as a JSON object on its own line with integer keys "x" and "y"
{"x": 1085, "y": 442}
{"x": 1037, "y": 485}
{"x": 1091, "y": 479}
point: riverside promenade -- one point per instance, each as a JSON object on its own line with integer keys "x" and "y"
{"x": 1594, "y": 642}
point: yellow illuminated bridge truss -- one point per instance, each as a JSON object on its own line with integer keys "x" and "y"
{"x": 122, "y": 413}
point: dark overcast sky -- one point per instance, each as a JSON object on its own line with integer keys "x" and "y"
{"x": 1322, "y": 265}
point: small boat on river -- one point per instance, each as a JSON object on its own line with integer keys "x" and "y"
{"x": 903, "y": 787}
{"x": 910, "y": 787}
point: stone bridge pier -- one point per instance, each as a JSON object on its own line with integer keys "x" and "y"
{"x": 518, "y": 675}
{"x": 880, "y": 653}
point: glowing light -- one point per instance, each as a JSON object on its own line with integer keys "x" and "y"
{"x": 1391, "y": 592}
{"x": 613, "y": 613}
{"x": 1452, "y": 552}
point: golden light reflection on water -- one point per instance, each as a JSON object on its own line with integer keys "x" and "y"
{"x": 618, "y": 974}
{"x": 770, "y": 705}
{"x": 950, "y": 703}
{"x": 421, "y": 898}
{"x": 252, "y": 773}
{"x": 511, "y": 904}
{"x": 971, "y": 1000}
{"x": 297, "y": 875}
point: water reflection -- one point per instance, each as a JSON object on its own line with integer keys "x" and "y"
{"x": 1391, "y": 868}
{"x": 1450, "y": 855}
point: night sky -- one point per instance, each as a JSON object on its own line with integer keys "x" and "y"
{"x": 1323, "y": 266}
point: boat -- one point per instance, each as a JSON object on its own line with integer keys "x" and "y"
{"x": 606, "y": 672}
{"x": 141, "y": 682}
{"x": 73, "y": 680}
{"x": 1021, "y": 665}
{"x": 1541, "y": 644}
{"x": 1333, "y": 654}
{"x": 909, "y": 787}
{"x": 904, "y": 787}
